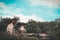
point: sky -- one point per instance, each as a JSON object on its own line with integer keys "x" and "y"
{"x": 38, "y": 10}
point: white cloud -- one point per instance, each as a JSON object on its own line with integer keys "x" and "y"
{"x": 18, "y": 13}
{"x": 10, "y": 10}
{"x": 50, "y": 3}
{"x": 25, "y": 19}
{"x": 5, "y": 8}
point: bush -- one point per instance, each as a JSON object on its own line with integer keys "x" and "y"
{"x": 25, "y": 37}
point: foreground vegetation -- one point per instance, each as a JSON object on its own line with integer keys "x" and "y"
{"x": 50, "y": 28}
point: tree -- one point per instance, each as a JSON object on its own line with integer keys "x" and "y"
{"x": 31, "y": 25}
{"x": 4, "y": 23}
{"x": 37, "y": 30}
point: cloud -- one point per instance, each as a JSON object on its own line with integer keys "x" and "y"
{"x": 25, "y": 19}
{"x": 5, "y": 8}
{"x": 10, "y": 12}
{"x": 49, "y": 3}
